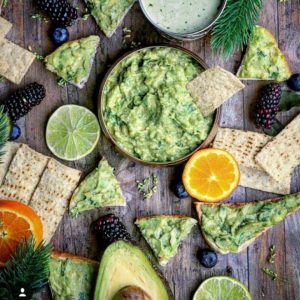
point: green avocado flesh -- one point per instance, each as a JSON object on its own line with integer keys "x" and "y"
{"x": 148, "y": 109}
{"x": 124, "y": 264}
{"x": 71, "y": 279}
{"x": 99, "y": 189}
{"x": 108, "y": 13}
{"x": 73, "y": 60}
{"x": 263, "y": 59}
{"x": 229, "y": 227}
{"x": 164, "y": 234}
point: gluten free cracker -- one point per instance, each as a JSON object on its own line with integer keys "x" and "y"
{"x": 281, "y": 155}
{"x": 23, "y": 175}
{"x": 10, "y": 150}
{"x": 244, "y": 146}
{"x": 5, "y": 27}
{"x": 14, "y": 61}
{"x": 212, "y": 88}
{"x": 51, "y": 198}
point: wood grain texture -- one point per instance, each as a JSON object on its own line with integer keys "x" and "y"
{"x": 184, "y": 272}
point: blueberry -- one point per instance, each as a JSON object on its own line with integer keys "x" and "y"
{"x": 207, "y": 258}
{"x": 179, "y": 190}
{"x": 15, "y": 132}
{"x": 59, "y": 35}
{"x": 294, "y": 82}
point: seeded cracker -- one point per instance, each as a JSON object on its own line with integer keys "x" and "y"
{"x": 244, "y": 146}
{"x": 212, "y": 88}
{"x": 10, "y": 150}
{"x": 281, "y": 155}
{"x": 51, "y": 198}
{"x": 14, "y": 61}
{"x": 23, "y": 175}
{"x": 5, "y": 27}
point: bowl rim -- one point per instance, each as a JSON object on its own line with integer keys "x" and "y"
{"x": 204, "y": 144}
{"x": 191, "y": 34}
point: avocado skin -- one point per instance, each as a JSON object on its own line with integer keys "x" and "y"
{"x": 113, "y": 276}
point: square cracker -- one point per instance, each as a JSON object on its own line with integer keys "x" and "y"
{"x": 212, "y": 88}
{"x": 5, "y": 27}
{"x": 10, "y": 150}
{"x": 51, "y": 198}
{"x": 244, "y": 146}
{"x": 281, "y": 155}
{"x": 14, "y": 61}
{"x": 23, "y": 175}
{"x": 261, "y": 180}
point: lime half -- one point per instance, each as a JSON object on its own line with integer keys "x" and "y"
{"x": 222, "y": 288}
{"x": 72, "y": 132}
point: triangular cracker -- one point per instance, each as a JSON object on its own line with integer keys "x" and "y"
{"x": 263, "y": 59}
{"x": 99, "y": 189}
{"x": 233, "y": 227}
{"x": 212, "y": 88}
{"x": 73, "y": 60}
{"x": 164, "y": 234}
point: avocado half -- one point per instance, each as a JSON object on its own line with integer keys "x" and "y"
{"x": 124, "y": 264}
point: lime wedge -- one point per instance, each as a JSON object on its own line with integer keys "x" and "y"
{"x": 72, "y": 132}
{"x": 222, "y": 288}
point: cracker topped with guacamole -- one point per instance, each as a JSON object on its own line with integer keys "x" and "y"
{"x": 263, "y": 59}
{"x": 148, "y": 109}
{"x": 73, "y": 60}
{"x": 109, "y": 13}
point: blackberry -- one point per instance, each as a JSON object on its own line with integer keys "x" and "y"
{"x": 61, "y": 12}
{"x": 110, "y": 229}
{"x": 23, "y": 100}
{"x": 267, "y": 106}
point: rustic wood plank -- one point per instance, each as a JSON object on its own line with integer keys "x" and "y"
{"x": 184, "y": 272}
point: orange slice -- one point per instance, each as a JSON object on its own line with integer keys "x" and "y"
{"x": 17, "y": 222}
{"x": 211, "y": 175}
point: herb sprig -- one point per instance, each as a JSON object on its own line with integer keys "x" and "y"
{"x": 5, "y": 126}
{"x": 28, "y": 268}
{"x": 148, "y": 186}
{"x": 233, "y": 28}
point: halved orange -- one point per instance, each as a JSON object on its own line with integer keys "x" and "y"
{"x": 17, "y": 222}
{"x": 211, "y": 175}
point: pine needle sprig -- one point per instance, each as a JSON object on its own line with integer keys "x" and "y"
{"x": 5, "y": 127}
{"x": 28, "y": 268}
{"x": 233, "y": 29}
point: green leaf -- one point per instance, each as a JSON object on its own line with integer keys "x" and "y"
{"x": 277, "y": 127}
{"x": 28, "y": 268}
{"x": 289, "y": 100}
{"x": 234, "y": 27}
{"x": 5, "y": 127}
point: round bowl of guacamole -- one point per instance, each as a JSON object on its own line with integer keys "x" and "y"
{"x": 146, "y": 110}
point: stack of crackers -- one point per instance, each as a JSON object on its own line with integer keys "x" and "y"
{"x": 266, "y": 163}
{"x": 38, "y": 181}
{"x": 14, "y": 60}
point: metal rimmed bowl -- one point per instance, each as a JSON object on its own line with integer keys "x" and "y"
{"x": 191, "y": 36}
{"x": 101, "y": 108}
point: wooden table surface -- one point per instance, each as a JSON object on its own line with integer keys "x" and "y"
{"x": 184, "y": 273}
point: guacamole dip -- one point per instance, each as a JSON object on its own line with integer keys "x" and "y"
{"x": 148, "y": 109}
